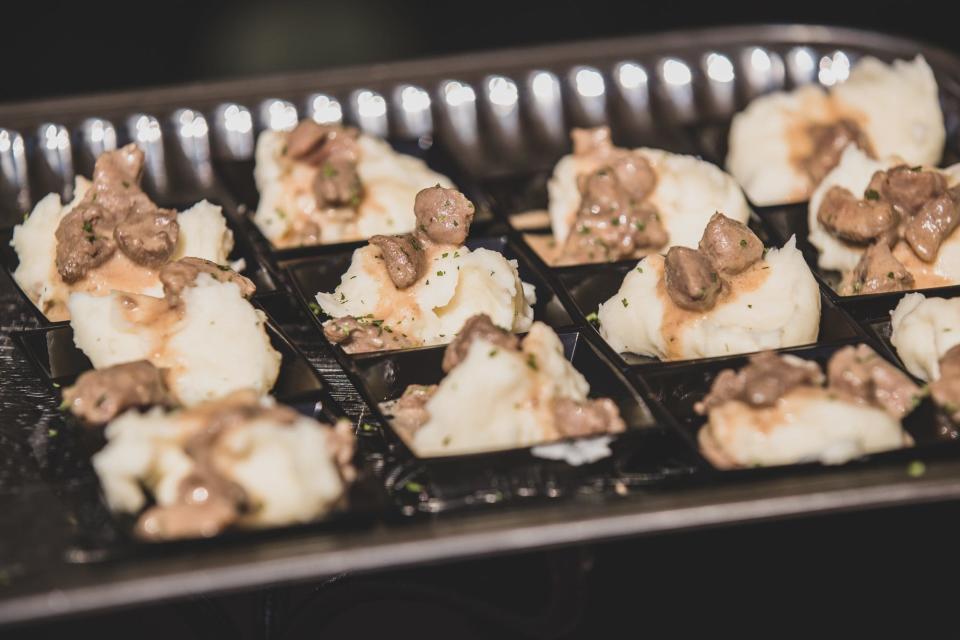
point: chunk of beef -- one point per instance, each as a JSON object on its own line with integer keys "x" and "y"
{"x": 148, "y": 236}
{"x": 908, "y": 189}
{"x": 337, "y": 184}
{"x": 766, "y": 378}
{"x": 590, "y": 417}
{"x": 946, "y": 389}
{"x": 180, "y": 274}
{"x": 315, "y": 144}
{"x": 859, "y": 373}
{"x": 927, "y": 230}
{"x": 361, "y": 335}
{"x": 478, "y": 327}
{"x": 635, "y": 174}
{"x": 691, "y": 280}
{"x": 403, "y": 257}
{"x": 827, "y": 144}
{"x": 879, "y": 271}
{"x": 84, "y": 241}
{"x": 854, "y": 220}
{"x": 409, "y": 412}
{"x": 443, "y": 215}
{"x": 100, "y": 395}
{"x": 730, "y": 245}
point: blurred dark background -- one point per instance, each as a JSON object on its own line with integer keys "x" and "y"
{"x": 66, "y": 47}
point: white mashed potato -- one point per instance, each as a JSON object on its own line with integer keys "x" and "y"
{"x": 390, "y": 180}
{"x": 217, "y": 345}
{"x": 499, "y": 398}
{"x": 285, "y": 469}
{"x": 203, "y": 234}
{"x": 458, "y": 284}
{"x": 806, "y": 425}
{"x": 774, "y": 304}
{"x": 853, "y": 173}
{"x": 896, "y": 106}
{"x": 924, "y": 329}
{"x": 687, "y": 193}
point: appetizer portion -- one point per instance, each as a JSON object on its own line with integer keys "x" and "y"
{"x": 419, "y": 288}
{"x": 240, "y": 461}
{"x": 500, "y": 392}
{"x": 887, "y": 226}
{"x": 203, "y": 334}
{"x": 924, "y": 330}
{"x": 326, "y": 183}
{"x": 926, "y": 335}
{"x": 777, "y": 410}
{"x": 784, "y": 143}
{"x": 728, "y": 296}
{"x": 110, "y": 236}
{"x": 609, "y": 203}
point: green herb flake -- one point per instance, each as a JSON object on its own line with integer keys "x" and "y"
{"x": 743, "y": 243}
{"x": 890, "y": 274}
{"x": 583, "y": 230}
{"x": 440, "y": 273}
{"x": 916, "y": 169}
{"x": 367, "y": 427}
{"x": 639, "y": 226}
{"x": 593, "y": 318}
{"x": 88, "y": 226}
{"x": 126, "y": 185}
{"x": 56, "y": 385}
{"x": 640, "y": 269}
{"x": 281, "y": 213}
{"x": 343, "y": 298}
{"x": 456, "y": 254}
{"x": 532, "y": 362}
{"x": 223, "y": 267}
{"x": 615, "y": 222}
{"x": 445, "y": 255}
{"x": 871, "y": 194}
{"x": 625, "y": 303}
{"x": 493, "y": 352}
{"x": 414, "y": 487}
{"x": 314, "y": 308}
{"x": 916, "y": 469}
{"x": 64, "y": 405}
{"x": 329, "y": 171}
{"x": 52, "y": 433}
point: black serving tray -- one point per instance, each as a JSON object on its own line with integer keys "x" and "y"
{"x": 497, "y": 123}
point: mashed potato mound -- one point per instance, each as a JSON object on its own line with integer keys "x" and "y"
{"x": 806, "y": 425}
{"x": 782, "y": 311}
{"x": 687, "y": 193}
{"x": 203, "y": 234}
{"x": 218, "y": 344}
{"x": 897, "y": 107}
{"x": 287, "y": 470}
{"x": 853, "y": 173}
{"x": 924, "y": 329}
{"x": 500, "y": 399}
{"x": 459, "y": 283}
{"x": 390, "y": 180}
